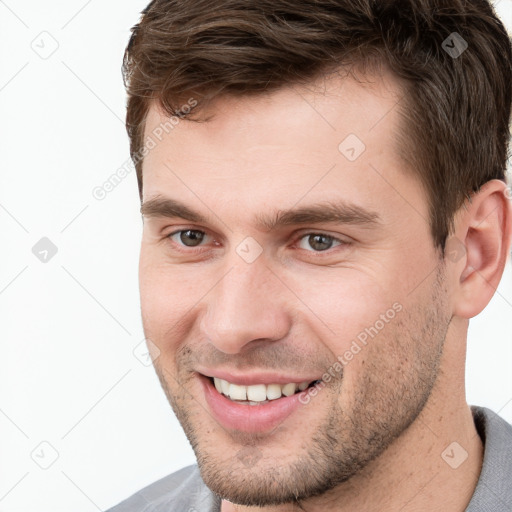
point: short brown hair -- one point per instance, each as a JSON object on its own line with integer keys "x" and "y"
{"x": 456, "y": 107}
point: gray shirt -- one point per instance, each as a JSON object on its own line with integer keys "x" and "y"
{"x": 185, "y": 491}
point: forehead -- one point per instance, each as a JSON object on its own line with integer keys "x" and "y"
{"x": 334, "y": 102}
{"x": 336, "y": 134}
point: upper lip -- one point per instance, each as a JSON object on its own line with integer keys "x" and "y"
{"x": 256, "y": 378}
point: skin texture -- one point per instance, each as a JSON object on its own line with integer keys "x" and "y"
{"x": 372, "y": 438}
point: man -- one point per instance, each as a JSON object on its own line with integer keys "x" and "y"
{"x": 325, "y": 208}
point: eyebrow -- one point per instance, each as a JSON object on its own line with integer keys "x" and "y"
{"x": 336, "y": 212}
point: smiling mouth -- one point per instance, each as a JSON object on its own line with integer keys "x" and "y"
{"x": 259, "y": 394}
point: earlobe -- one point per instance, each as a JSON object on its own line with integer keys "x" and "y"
{"x": 484, "y": 228}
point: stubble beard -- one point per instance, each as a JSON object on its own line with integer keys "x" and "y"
{"x": 389, "y": 397}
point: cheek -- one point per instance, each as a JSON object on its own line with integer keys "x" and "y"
{"x": 347, "y": 302}
{"x": 161, "y": 307}
{"x": 166, "y": 291}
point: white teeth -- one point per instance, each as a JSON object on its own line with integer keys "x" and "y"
{"x": 224, "y": 384}
{"x": 273, "y": 391}
{"x": 257, "y": 393}
{"x": 289, "y": 389}
{"x": 303, "y": 385}
{"x": 237, "y": 392}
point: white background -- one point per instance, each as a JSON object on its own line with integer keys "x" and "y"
{"x": 68, "y": 374}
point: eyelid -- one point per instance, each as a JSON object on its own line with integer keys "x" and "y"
{"x": 340, "y": 241}
{"x": 297, "y": 238}
{"x": 177, "y": 231}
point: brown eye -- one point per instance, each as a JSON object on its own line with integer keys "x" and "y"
{"x": 188, "y": 237}
{"x": 318, "y": 242}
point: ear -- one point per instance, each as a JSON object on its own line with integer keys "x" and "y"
{"x": 482, "y": 237}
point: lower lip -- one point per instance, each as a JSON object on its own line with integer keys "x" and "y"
{"x": 245, "y": 417}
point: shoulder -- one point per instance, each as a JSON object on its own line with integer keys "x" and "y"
{"x": 494, "y": 489}
{"x": 182, "y": 491}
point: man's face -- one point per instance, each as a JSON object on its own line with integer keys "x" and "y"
{"x": 360, "y": 297}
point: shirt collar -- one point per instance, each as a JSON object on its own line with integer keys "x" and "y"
{"x": 493, "y": 492}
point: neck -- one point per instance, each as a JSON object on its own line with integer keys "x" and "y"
{"x": 434, "y": 465}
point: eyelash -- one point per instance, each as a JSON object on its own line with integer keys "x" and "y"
{"x": 189, "y": 250}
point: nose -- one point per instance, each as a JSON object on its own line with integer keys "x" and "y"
{"x": 248, "y": 304}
